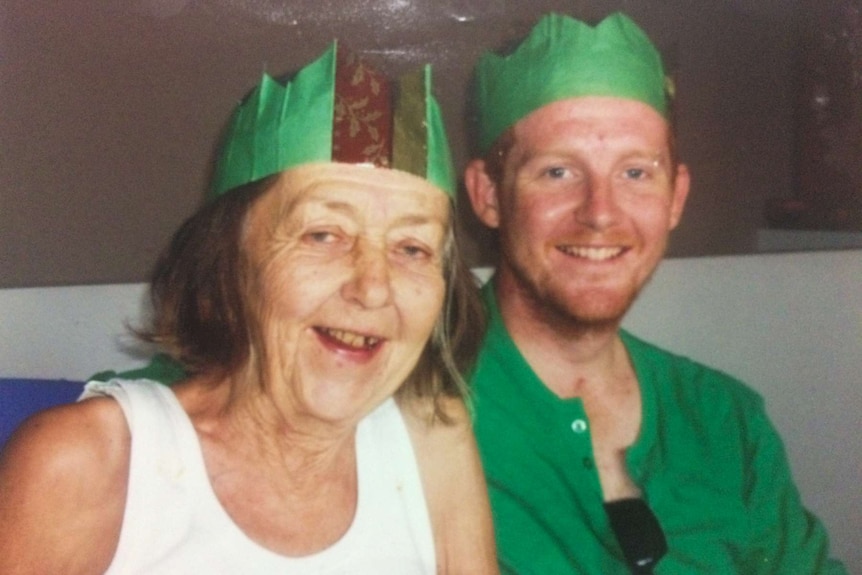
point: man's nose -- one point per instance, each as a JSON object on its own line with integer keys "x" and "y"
{"x": 598, "y": 208}
{"x": 369, "y": 283}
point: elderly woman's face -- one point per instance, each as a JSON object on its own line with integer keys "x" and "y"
{"x": 347, "y": 284}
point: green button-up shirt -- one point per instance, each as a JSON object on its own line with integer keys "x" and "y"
{"x": 708, "y": 461}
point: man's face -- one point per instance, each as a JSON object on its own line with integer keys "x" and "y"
{"x": 346, "y": 284}
{"x": 587, "y": 200}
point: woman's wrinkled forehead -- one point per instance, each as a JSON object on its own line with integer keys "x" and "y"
{"x": 361, "y": 192}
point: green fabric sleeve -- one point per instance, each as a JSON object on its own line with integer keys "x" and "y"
{"x": 786, "y": 538}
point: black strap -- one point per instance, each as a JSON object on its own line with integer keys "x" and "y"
{"x": 638, "y": 533}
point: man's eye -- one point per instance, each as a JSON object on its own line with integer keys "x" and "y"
{"x": 556, "y": 172}
{"x": 635, "y": 173}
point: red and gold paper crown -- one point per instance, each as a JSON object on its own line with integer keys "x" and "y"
{"x": 337, "y": 109}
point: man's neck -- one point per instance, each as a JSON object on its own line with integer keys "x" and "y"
{"x": 590, "y": 363}
{"x": 572, "y": 359}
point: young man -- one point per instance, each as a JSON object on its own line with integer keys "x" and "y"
{"x": 603, "y": 453}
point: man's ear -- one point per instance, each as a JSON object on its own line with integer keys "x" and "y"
{"x": 483, "y": 193}
{"x": 682, "y": 183}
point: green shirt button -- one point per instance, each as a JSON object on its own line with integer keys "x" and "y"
{"x": 579, "y": 426}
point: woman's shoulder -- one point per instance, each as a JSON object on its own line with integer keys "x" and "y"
{"x": 64, "y": 474}
{"x": 454, "y": 485}
{"x": 71, "y": 436}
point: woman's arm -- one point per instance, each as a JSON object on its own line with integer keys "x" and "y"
{"x": 63, "y": 478}
{"x": 455, "y": 489}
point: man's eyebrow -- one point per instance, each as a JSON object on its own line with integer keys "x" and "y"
{"x": 655, "y": 157}
{"x": 531, "y": 156}
{"x": 647, "y": 152}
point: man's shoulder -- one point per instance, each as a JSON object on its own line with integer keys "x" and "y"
{"x": 668, "y": 369}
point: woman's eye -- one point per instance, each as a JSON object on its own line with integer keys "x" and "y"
{"x": 321, "y": 237}
{"x": 415, "y": 251}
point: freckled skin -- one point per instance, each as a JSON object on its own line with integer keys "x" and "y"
{"x": 613, "y": 187}
{"x": 587, "y": 199}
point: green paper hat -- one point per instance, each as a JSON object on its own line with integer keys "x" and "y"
{"x": 566, "y": 58}
{"x": 337, "y": 109}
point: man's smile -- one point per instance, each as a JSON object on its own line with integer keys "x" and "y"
{"x": 593, "y": 253}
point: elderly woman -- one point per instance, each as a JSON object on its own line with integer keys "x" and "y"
{"x": 322, "y": 311}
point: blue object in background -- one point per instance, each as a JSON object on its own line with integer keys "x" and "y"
{"x": 20, "y": 398}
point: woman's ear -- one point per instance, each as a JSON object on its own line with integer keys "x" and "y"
{"x": 483, "y": 193}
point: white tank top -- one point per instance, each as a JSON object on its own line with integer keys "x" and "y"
{"x": 174, "y": 523}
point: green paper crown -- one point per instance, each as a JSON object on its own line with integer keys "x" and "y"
{"x": 565, "y": 58}
{"x": 337, "y": 109}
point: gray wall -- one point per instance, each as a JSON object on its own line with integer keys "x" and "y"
{"x": 110, "y": 110}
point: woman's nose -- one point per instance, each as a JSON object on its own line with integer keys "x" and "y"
{"x": 369, "y": 284}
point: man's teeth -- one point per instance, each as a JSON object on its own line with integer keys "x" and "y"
{"x": 592, "y": 253}
{"x": 351, "y": 339}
